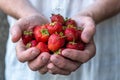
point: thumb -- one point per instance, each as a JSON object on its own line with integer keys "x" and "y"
{"x": 88, "y": 33}
{"x": 16, "y": 33}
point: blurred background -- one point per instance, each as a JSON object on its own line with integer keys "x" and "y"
{"x": 3, "y": 39}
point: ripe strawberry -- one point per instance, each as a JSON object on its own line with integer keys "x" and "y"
{"x": 41, "y": 33}
{"x": 55, "y": 42}
{"x": 33, "y": 43}
{"x": 79, "y": 34}
{"x": 27, "y": 36}
{"x": 81, "y": 46}
{"x": 71, "y": 34}
{"x": 55, "y": 27}
{"x": 72, "y": 45}
{"x": 42, "y": 47}
{"x": 57, "y": 18}
{"x": 70, "y": 22}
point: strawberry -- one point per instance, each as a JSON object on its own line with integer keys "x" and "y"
{"x": 70, "y": 22}
{"x": 72, "y": 45}
{"x": 27, "y": 36}
{"x": 55, "y": 42}
{"x": 71, "y": 34}
{"x": 41, "y": 33}
{"x": 57, "y": 18}
{"x": 42, "y": 47}
{"x": 79, "y": 34}
{"x": 33, "y": 43}
{"x": 81, "y": 46}
{"x": 55, "y": 27}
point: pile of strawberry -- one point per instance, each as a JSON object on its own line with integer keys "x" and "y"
{"x": 55, "y": 36}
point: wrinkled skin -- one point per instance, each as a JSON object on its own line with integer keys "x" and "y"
{"x": 55, "y": 64}
{"x": 36, "y": 61}
{"x": 74, "y": 58}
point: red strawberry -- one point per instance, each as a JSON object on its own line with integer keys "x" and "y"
{"x": 57, "y": 18}
{"x": 79, "y": 34}
{"x": 55, "y": 42}
{"x": 72, "y": 45}
{"x": 41, "y": 33}
{"x": 55, "y": 27}
{"x": 71, "y": 34}
{"x": 33, "y": 43}
{"x": 27, "y": 36}
{"x": 42, "y": 47}
{"x": 70, "y": 22}
{"x": 81, "y": 46}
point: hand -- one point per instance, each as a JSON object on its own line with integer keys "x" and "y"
{"x": 35, "y": 59}
{"x": 88, "y": 25}
{"x": 72, "y": 59}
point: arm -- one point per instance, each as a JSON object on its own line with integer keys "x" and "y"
{"x": 101, "y": 10}
{"x": 97, "y": 12}
{"x": 28, "y": 17}
{"x": 87, "y": 18}
{"x": 17, "y": 8}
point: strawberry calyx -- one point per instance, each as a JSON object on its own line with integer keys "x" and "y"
{"x": 52, "y": 24}
{"x": 71, "y": 26}
{"x": 28, "y": 45}
{"x": 61, "y": 34}
{"x": 64, "y": 27}
{"x": 66, "y": 19}
{"x": 44, "y": 31}
{"x": 72, "y": 42}
{"x": 58, "y": 51}
{"x": 27, "y": 32}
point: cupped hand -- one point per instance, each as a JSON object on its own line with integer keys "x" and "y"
{"x": 36, "y": 60}
{"x": 88, "y": 25}
{"x": 71, "y": 59}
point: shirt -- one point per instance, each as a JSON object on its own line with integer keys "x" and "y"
{"x": 105, "y": 64}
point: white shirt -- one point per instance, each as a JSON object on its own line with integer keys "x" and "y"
{"x": 104, "y": 66}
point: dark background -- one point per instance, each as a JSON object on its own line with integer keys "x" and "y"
{"x": 3, "y": 39}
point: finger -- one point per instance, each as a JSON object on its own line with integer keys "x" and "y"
{"x": 43, "y": 70}
{"x": 24, "y": 55}
{"x": 88, "y": 31}
{"x": 21, "y": 25}
{"x": 55, "y": 70}
{"x": 16, "y": 32}
{"x": 18, "y": 27}
{"x": 39, "y": 62}
{"x": 63, "y": 63}
{"x": 80, "y": 56}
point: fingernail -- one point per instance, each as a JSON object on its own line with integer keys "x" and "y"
{"x": 64, "y": 53}
{"x": 50, "y": 71}
{"x": 13, "y": 33}
{"x": 44, "y": 59}
{"x": 55, "y": 59}
{"x": 87, "y": 36}
{"x": 35, "y": 52}
{"x": 49, "y": 66}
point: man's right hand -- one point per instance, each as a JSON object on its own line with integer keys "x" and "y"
{"x": 36, "y": 60}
